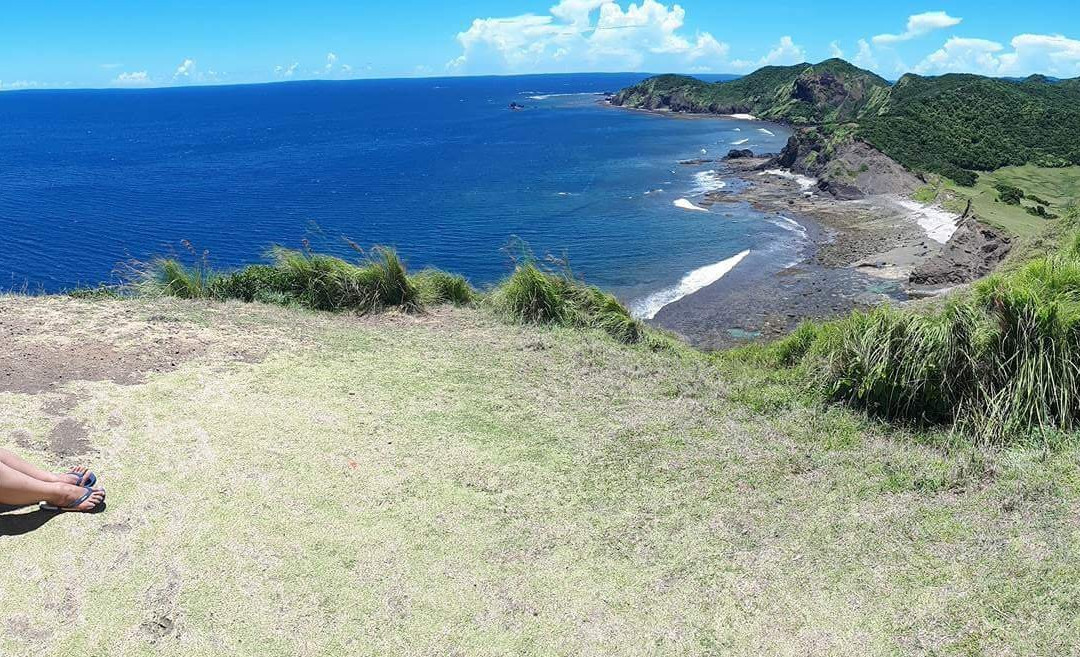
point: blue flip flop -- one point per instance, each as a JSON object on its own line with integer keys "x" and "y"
{"x": 74, "y": 505}
{"x": 86, "y": 479}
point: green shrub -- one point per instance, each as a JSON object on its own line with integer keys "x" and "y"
{"x": 533, "y": 295}
{"x": 247, "y": 284}
{"x": 316, "y": 281}
{"x": 435, "y": 287}
{"x": 322, "y": 282}
{"x": 1009, "y": 194}
{"x": 898, "y": 364}
{"x": 1000, "y": 362}
{"x": 169, "y": 277}
{"x": 792, "y": 348}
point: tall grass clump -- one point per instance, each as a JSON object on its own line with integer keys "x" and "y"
{"x": 532, "y": 295}
{"x": 170, "y": 277}
{"x": 311, "y": 280}
{"x": 1030, "y": 373}
{"x": 998, "y": 362}
{"x": 435, "y": 287}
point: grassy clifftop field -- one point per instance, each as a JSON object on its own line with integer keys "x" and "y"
{"x": 287, "y": 482}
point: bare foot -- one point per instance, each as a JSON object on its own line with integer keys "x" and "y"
{"x": 79, "y": 475}
{"x": 68, "y": 498}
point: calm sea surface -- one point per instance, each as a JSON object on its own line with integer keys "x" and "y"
{"x": 441, "y": 169}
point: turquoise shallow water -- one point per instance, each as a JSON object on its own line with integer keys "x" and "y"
{"x": 439, "y": 168}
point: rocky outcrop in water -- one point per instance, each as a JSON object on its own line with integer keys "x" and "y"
{"x": 739, "y": 153}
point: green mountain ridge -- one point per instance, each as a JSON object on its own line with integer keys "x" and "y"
{"x": 952, "y": 124}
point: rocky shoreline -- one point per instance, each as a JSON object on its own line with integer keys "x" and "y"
{"x": 869, "y": 244}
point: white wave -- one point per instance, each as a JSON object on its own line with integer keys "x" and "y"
{"x": 939, "y": 224}
{"x": 764, "y": 131}
{"x": 740, "y": 142}
{"x": 704, "y": 152}
{"x": 546, "y": 96}
{"x": 690, "y": 283}
{"x": 805, "y": 183}
{"x": 738, "y": 129}
{"x": 654, "y": 191}
{"x": 707, "y": 181}
{"x": 688, "y": 205}
{"x": 788, "y": 224}
{"x": 744, "y": 117}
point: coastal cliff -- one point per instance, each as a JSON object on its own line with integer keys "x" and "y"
{"x": 954, "y": 125}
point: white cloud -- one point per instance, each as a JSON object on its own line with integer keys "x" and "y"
{"x": 919, "y": 25}
{"x": 785, "y": 52}
{"x": 594, "y": 33}
{"x": 286, "y": 71}
{"x": 23, "y": 84}
{"x": 835, "y": 51}
{"x": 189, "y": 72}
{"x": 331, "y": 59}
{"x": 132, "y": 79}
{"x": 1050, "y": 54}
{"x": 864, "y": 58}
{"x": 963, "y": 55}
{"x": 186, "y": 70}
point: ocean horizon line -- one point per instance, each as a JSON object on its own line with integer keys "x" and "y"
{"x": 318, "y": 81}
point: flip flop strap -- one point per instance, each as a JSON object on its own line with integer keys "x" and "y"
{"x": 86, "y": 495}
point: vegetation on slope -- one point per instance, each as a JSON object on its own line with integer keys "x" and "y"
{"x": 952, "y": 124}
{"x": 531, "y": 294}
{"x": 955, "y": 124}
{"x": 1000, "y": 362}
{"x": 1055, "y": 189}
{"x": 831, "y": 91}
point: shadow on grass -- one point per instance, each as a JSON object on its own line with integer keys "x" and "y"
{"x": 17, "y": 524}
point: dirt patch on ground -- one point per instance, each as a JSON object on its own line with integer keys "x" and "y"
{"x": 69, "y": 438}
{"x": 48, "y": 342}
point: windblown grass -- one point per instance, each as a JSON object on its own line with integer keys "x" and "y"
{"x": 435, "y": 287}
{"x": 533, "y": 295}
{"x": 311, "y": 280}
{"x": 323, "y": 282}
{"x": 999, "y": 362}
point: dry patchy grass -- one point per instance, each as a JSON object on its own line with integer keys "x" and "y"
{"x": 306, "y": 484}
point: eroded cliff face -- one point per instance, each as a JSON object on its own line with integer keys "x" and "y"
{"x": 845, "y": 168}
{"x": 974, "y": 251}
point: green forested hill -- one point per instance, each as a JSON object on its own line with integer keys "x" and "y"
{"x": 833, "y": 90}
{"x": 952, "y": 124}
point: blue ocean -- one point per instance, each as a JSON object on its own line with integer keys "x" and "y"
{"x": 440, "y": 169}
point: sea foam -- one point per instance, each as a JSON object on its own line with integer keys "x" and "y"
{"x": 764, "y": 131}
{"x": 740, "y": 142}
{"x": 707, "y": 181}
{"x": 688, "y": 205}
{"x": 546, "y": 96}
{"x": 690, "y": 283}
{"x": 805, "y": 183}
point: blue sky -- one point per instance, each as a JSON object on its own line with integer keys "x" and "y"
{"x": 124, "y": 43}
